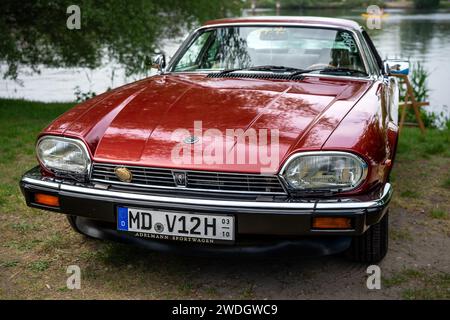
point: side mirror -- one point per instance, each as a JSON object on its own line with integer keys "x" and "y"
{"x": 159, "y": 62}
{"x": 394, "y": 67}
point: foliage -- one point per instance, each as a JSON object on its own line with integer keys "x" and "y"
{"x": 34, "y": 33}
{"x": 81, "y": 96}
{"x": 419, "y": 81}
{"x": 318, "y": 3}
{"x": 426, "y": 4}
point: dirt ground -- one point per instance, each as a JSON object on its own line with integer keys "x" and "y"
{"x": 39, "y": 246}
{"x": 36, "y": 248}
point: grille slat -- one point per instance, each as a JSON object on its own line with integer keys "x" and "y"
{"x": 137, "y": 170}
{"x": 232, "y": 182}
{"x": 148, "y": 176}
{"x": 196, "y": 180}
{"x": 231, "y": 176}
{"x": 135, "y": 177}
{"x": 242, "y": 186}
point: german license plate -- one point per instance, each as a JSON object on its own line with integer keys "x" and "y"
{"x": 166, "y": 225}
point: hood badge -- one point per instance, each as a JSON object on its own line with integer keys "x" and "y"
{"x": 191, "y": 139}
{"x": 123, "y": 174}
{"x": 180, "y": 179}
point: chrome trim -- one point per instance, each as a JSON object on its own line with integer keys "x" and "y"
{"x": 382, "y": 201}
{"x": 280, "y": 181}
{"x": 78, "y": 142}
{"x": 326, "y": 153}
{"x": 41, "y": 183}
{"x": 340, "y": 204}
{"x": 217, "y": 203}
{"x": 174, "y": 169}
{"x": 149, "y": 186}
{"x": 368, "y": 53}
{"x": 279, "y": 24}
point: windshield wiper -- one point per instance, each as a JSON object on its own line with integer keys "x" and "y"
{"x": 347, "y": 71}
{"x": 293, "y": 72}
{"x": 270, "y": 68}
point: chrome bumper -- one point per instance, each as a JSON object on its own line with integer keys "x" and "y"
{"x": 281, "y": 217}
{"x": 376, "y": 201}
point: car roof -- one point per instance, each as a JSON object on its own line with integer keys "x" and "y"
{"x": 331, "y": 22}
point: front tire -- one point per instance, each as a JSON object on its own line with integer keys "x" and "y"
{"x": 73, "y": 224}
{"x": 371, "y": 246}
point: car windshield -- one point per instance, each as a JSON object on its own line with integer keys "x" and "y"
{"x": 283, "y": 48}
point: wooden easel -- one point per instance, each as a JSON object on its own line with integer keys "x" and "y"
{"x": 410, "y": 101}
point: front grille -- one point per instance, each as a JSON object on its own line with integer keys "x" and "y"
{"x": 195, "y": 180}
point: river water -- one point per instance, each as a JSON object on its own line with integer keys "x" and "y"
{"x": 419, "y": 36}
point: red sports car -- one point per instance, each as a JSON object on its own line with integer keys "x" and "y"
{"x": 261, "y": 135}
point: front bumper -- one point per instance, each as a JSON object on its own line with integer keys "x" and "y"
{"x": 288, "y": 221}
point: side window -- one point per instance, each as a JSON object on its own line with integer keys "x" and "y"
{"x": 190, "y": 58}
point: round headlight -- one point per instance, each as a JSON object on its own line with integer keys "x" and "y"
{"x": 63, "y": 155}
{"x": 325, "y": 171}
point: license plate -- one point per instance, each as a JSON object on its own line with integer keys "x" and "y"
{"x": 166, "y": 225}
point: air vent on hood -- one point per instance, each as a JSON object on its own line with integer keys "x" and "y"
{"x": 256, "y": 75}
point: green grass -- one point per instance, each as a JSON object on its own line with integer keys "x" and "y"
{"x": 439, "y": 214}
{"x": 420, "y": 284}
{"x": 22, "y": 244}
{"x": 39, "y": 266}
{"x": 402, "y": 277}
{"x": 409, "y": 194}
{"x": 432, "y": 287}
{"x": 421, "y": 170}
{"x": 21, "y": 121}
{"x": 446, "y": 183}
{"x": 23, "y": 227}
{"x": 9, "y": 264}
{"x": 415, "y": 145}
{"x": 248, "y": 292}
{"x": 185, "y": 287}
{"x": 53, "y": 241}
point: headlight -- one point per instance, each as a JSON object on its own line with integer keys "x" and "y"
{"x": 63, "y": 154}
{"x": 325, "y": 170}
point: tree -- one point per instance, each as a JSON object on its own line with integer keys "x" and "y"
{"x": 426, "y": 4}
{"x": 34, "y": 33}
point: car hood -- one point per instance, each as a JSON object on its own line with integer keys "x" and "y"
{"x": 142, "y": 123}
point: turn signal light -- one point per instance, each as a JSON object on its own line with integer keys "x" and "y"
{"x": 332, "y": 223}
{"x": 46, "y": 200}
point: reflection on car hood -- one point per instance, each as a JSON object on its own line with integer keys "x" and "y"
{"x": 134, "y": 124}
